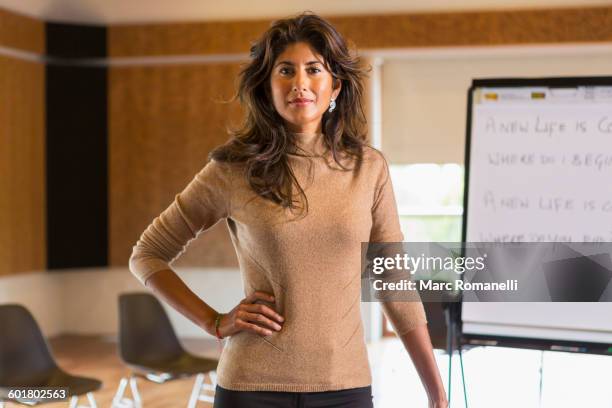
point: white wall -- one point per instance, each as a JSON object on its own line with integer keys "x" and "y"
{"x": 85, "y": 301}
{"x": 424, "y": 103}
{"x": 41, "y": 293}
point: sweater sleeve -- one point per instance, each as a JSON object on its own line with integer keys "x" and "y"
{"x": 404, "y": 316}
{"x": 203, "y": 202}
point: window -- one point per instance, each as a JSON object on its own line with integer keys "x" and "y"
{"x": 430, "y": 204}
{"x": 430, "y": 201}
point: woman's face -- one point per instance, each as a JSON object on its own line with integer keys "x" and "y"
{"x": 302, "y": 88}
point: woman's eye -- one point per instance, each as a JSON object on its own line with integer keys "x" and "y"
{"x": 289, "y": 71}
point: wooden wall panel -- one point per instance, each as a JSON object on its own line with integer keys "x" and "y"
{"x": 587, "y": 24}
{"x": 163, "y": 122}
{"x": 183, "y": 38}
{"x": 21, "y": 32}
{"x": 479, "y": 28}
{"x": 22, "y": 167}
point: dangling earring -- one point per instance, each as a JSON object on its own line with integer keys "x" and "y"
{"x": 332, "y": 106}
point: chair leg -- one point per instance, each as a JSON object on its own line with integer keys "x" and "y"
{"x": 195, "y": 391}
{"x": 203, "y": 391}
{"x": 92, "y": 400}
{"x": 119, "y": 394}
{"x": 74, "y": 401}
{"x": 121, "y": 401}
{"x": 135, "y": 393}
{"x": 209, "y": 389}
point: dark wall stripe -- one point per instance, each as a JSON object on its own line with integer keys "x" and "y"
{"x": 76, "y": 143}
{"x": 75, "y": 41}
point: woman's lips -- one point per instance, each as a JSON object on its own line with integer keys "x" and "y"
{"x": 300, "y": 102}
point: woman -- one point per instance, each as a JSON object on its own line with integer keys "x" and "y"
{"x": 300, "y": 190}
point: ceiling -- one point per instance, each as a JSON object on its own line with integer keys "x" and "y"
{"x": 143, "y": 11}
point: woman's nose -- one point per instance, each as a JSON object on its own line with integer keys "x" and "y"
{"x": 299, "y": 82}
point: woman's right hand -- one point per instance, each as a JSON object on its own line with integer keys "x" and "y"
{"x": 251, "y": 316}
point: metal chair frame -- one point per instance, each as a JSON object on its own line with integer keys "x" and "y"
{"x": 201, "y": 390}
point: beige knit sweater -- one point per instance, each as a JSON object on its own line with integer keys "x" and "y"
{"x": 311, "y": 265}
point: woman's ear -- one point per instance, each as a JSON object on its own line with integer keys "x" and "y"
{"x": 336, "y": 86}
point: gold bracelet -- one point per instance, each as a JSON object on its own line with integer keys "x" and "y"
{"x": 217, "y": 324}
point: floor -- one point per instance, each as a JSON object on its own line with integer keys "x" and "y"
{"x": 496, "y": 377}
{"x": 97, "y": 357}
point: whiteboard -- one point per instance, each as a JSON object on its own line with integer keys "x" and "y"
{"x": 539, "y": 169}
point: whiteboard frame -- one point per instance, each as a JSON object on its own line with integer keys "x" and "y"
{"x": 475, "y": 339}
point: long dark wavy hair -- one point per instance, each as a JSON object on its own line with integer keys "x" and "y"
{"x": 262, "y": 143}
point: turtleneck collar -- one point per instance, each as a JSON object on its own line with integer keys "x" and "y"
{"x": 309, "y": 143}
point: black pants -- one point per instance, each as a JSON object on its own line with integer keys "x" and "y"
{"x": 349, "y": 398}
